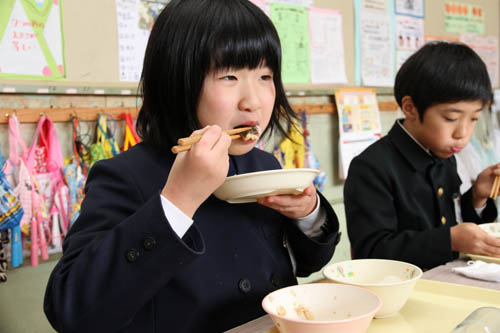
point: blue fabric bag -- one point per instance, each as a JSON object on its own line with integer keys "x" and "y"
{"x": 11, "y": 211}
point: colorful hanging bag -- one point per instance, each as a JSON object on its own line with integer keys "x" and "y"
{"x": 81, "y": 150}
{"x": 20, "y": 177}
{"x": 45, "y": 161}
{"x": 11, "y": 210}
{"x": 310, "y": 160}
{"x": 75, "y": 179}
{"x": 130, "y": 138}
{"x": 11, "y": 213}
{"x": 105, "y": 146}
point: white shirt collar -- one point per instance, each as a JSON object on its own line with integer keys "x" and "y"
{"x": 411, "y": 136}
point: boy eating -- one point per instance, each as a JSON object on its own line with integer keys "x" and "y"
{"x": 402, "y": 194}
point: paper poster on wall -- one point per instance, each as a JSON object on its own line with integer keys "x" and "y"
{"x": 409, "y": 37}
{"x": 31, "y": 39}
{"x": 374, "y": 42}
{"x": 305, "y": 3}
{"x": 135, "y": 19}
{"x": 414, "y": 8}
{"x": 291, "y": 22}
{"x": 463, "y": 18}
{"x": 327, "y": 46}
{"x": 487, "y": 48}
{"x": 359, "y": 123}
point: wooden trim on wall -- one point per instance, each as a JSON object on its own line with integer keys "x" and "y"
{"x": 28, "y": 115}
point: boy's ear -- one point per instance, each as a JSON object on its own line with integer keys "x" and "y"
{"x": 409, "y": 108}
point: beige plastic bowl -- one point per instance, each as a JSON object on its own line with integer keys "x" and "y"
{"x": 391, "y": 280}
{"x": 321, "y": 308}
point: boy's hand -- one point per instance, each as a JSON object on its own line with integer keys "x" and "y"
{"x": 292, "y": 206}
{"x": 197, "y": 173}
{"x": 483, "y": 184}
{"x": 470, "y": 238}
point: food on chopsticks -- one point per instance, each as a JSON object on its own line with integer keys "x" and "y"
{"x": 244, "y": 133}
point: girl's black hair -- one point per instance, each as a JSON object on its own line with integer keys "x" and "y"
{"x": 443, "y": 72}
{"x": 191, "y": 38}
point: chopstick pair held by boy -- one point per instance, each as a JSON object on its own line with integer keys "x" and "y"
{"x": 153, "y": 250}
{"x": 400, "y": 192}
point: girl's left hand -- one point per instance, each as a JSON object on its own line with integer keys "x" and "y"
{"x": 483, "y": 185}
{"x": 292, "y": 206}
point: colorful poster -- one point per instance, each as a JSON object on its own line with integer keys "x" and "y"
{"x": 487, "y": 48}
{"x": 463, "y": 18}
{"x": 31, "y": 39}
{"x": 359, "y": 123}
{"x": 293, "y": 28}
{"x": 306, "y": 3}
{"x": 327, "y": 46}
{"x": 135, "y": 19}
{"x": 409, "y": 37}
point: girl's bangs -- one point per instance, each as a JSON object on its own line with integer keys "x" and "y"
{"x": 230, "y": 52}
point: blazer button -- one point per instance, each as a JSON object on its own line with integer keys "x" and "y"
{"x": 132, "y": 255}
{"x": 276, "y": 280}
{"x": 443, "y": 220}
{"x": 245, "y": 286}
{"x": 148, "y": 243}
{"x": 440, "y": 192}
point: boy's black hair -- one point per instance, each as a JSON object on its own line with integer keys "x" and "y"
{"x": 443, "y": 72}
{"x": 191, "y": 38}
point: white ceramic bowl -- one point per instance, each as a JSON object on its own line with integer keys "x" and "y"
{"x": 391, "y": 280}
{"x": 492, "y": 228}
{"x": 321, "y": 308}
{"x": 248, "y": 187}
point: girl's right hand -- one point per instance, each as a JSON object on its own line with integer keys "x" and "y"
{"x": 197, "y": 173}
{"x": 468, "y": 237}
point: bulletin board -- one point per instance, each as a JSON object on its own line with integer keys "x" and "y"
{"x": 91, "y": 47}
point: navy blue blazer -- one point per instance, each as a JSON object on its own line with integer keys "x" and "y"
{"x": 400, "y": 202}
{"x": 124, "y": 269}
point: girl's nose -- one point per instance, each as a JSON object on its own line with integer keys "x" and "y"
{"x": 249, "y": 98}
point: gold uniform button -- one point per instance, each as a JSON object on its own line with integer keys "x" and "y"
{"x": 443, "y": 220}
{"x": 440, "y": 191}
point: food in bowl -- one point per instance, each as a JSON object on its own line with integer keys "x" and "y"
{"x": 391, "y": 280}
{"x": 321, "y": 308}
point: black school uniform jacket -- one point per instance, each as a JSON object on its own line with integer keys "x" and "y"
{"x": 399, "y": 202}
{"x": 124, "y": 269}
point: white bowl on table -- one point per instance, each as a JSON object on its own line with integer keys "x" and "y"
{"x": 391, "y": 280}
{"x": 321, "y": 308}
{"x": 491, "y": 228}
{"x": 494, "y": 230}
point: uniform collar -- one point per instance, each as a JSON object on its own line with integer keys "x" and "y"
{"x": 418, "y": 157}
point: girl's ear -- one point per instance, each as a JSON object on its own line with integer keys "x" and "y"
{"x": 409, "y": 108}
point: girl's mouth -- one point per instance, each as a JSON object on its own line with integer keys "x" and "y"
{"x": 251, "y": 135}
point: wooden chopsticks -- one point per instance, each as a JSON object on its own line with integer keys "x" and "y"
{"x": 495, "y": 188}
{"x": 186, "y": 143}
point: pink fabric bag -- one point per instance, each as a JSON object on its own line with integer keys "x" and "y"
{"x": 17, "y": 173}
{"x": 45, "y": 161}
